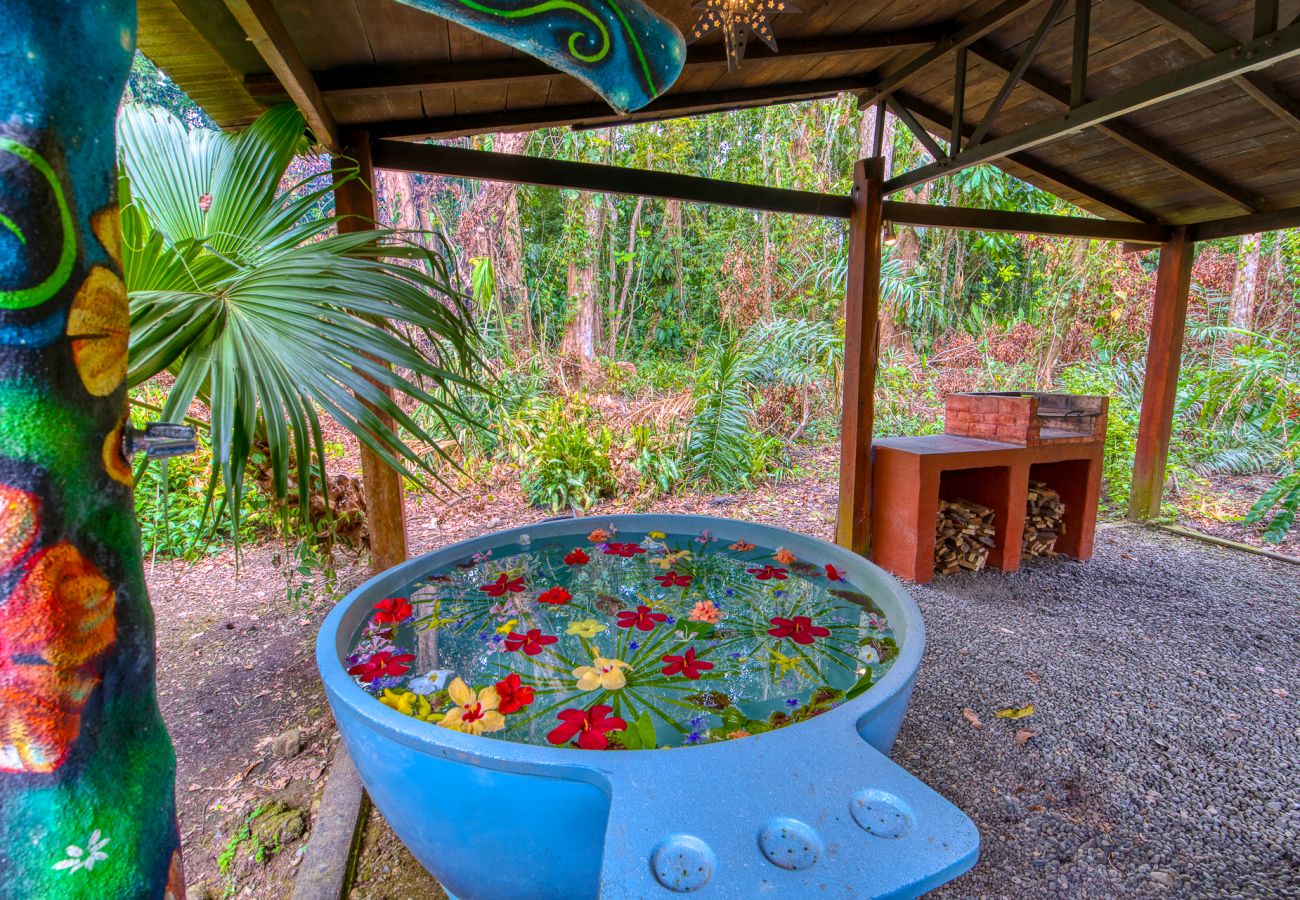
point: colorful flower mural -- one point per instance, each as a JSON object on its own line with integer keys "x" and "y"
{"x": 81, "y": 740}
{"x": 552, "y": 644}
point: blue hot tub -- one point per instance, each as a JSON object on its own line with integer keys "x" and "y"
{"x": 787, "y": 791}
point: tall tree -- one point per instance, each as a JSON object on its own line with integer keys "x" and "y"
{"x": 586, "y": 236}
{"x": 1244, "y": 286}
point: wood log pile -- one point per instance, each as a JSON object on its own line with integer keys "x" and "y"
{"x": 1044, "y": 521}
{"x": 963, "y": 536}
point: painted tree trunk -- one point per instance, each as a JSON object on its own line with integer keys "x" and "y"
{"x": 86, "y": 767}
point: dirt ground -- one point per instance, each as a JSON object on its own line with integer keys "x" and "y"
{"x": 253, "y": 733}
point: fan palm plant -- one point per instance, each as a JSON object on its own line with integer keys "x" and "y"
{"x": 263, "y": 311}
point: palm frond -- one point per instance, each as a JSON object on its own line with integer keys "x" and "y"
{"x": 272, "y": 318}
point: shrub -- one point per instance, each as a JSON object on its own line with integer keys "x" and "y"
{"x": 569, "y": 465}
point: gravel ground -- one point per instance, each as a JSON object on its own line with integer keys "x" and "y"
{"x": 1165, "y": 676}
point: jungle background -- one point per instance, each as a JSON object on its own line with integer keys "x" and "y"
{"x": 642, "y": 348}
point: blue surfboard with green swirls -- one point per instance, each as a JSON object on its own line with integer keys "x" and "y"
{"x": 621, "y": 49}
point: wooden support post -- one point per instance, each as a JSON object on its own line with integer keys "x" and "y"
{"x": 1164, "y": 351}
{"x": 861, "y": 348}
{"x": 381, "y": 483}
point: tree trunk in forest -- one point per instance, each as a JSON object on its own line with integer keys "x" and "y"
{"x": 582, "y": 331}
{"x": 617, "y": 323}
{"x": 490, "y": 227}
{"x": 87, "y": 771}
{"x": 1243, "y": 289}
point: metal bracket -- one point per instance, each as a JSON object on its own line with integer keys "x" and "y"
{"x": 159, "y": 440}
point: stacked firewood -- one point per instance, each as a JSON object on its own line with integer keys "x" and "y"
{"x": 1044, "y": 521}
{"x": 963, "y": 536}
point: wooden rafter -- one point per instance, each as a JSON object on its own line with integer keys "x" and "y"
{"x": 958, "y": 101}
{"x": 1079, "y": 53}
{"x": 598, "y": 114}
{"x": 1252, "y": 55}
{"x": 1044, "y": 171}
{"x": 352, "y": 82}
{"x": 962, "y": 37}
{"x": 1236, "y": 226}
{"x": 1133, "y": 138}
{"x": 1207, "y": 40}
{"x": 926, "y": 215}
{"x": 918, "y": 130}
{"x": 267, "y": 33}
{"x": 1017, "y": 70}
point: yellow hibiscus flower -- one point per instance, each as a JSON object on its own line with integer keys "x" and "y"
{"x": 409, "y": 703}
{"x": 475, "y": 712}
{"x": 602, "y": 673}
{"x": 587, "y": 628}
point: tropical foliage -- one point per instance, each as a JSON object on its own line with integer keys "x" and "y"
{"x": 264, "y": 312}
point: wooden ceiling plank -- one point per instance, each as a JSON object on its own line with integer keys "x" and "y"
{"x": 268, "y": 35}
{"x": 1133, "y": 138}
{"x": 918, "y": 131}
{"x": 1249, "y": 56}
{"x": 423, "y": 77}
{"x": 1207, "y": 40}
{"x": 1058, "y": 178}
{"x": 962, "y": 37}
{"x": 599, "y": 114}
{"x": 1017, "y": 70}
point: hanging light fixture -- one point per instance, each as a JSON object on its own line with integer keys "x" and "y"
{"x": 890, "y": 238}
{"x": 737, "y": 20}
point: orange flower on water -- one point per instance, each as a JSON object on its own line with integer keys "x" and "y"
{"x": 741, "y": 546}
{"x": 40, "y": 715}
{"x": 115, "y": 461}
{"x": 99, "y": 326}
{"x": 19, "y": 521}
{"x": 62, "y": 610}
{"x": 599, "y": 536}
{"x": 784, "y": 556}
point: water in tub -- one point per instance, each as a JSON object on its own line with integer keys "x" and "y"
{"x": 622, "y": 642}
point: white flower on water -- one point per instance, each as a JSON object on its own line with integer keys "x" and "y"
{"x": 84, "y": 859}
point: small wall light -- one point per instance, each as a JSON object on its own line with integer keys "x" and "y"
{"x": 890, "y": 238}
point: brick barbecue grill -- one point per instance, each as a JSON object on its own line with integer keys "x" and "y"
{"x": 995, "y": 444}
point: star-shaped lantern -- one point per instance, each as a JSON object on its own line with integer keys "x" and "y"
{"x": 737, "y": 20}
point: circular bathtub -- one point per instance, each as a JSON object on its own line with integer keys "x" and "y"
{"x": 810, "y": 808}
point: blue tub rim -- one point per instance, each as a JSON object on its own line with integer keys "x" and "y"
{"x": 584, "y": 764}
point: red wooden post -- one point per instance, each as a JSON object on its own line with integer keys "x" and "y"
{"x": 382, "y": 485}
{"x": 1164, "y": 352}
{"x": 861, "y": 339}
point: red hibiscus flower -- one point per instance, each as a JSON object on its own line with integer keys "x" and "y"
{"x": 556, "y": 595}
{"x": 642, "y": 618}
{"x": 504, "y": 583}
{"x": 577, "y": 557}
{"x": 514, "y": 694}
{"x": 799, "y": 629}
{"x": 589, "y": 727}
{"x": 382, "y": 664}
{"x": 673, "y": 579}
{"x": 531, "y": 643}
{"x": 627, "y": 551}
{"x": 765, "y": 573}
{"x": 392, "y": 610}
{"x": 686, "y": 665}
{"x": 833, "y": 573}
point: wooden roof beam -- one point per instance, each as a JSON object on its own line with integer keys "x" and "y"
{"x": 1207, "y": 40}
{"x": 1017, "y": 70}
{"x": 1251, "y": 55}
{"x": 1134, "y": 139}
{"x": 963, "y": 36}
{"x": 597, "y": 114}
{"x": 266, "y": 31}
{"x": 1044, "y": 171}
{"x": 523, "y": 70}
{"x": 458, "y": 162}
{"x": 1239, "y": 225}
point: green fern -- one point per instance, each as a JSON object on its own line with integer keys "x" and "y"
{"x": 718, "y": 449}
